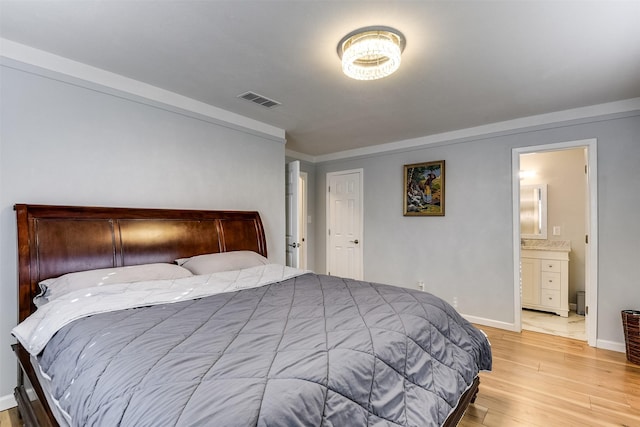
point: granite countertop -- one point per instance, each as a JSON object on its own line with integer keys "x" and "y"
{"x": 546, "y": 245}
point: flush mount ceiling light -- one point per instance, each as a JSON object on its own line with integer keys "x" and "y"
{"x": 371, "y": 53}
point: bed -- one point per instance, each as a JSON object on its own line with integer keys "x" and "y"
{"x": 260, "y": 344}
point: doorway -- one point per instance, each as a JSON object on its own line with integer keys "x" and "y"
{"x": 582, "y": 236}
{"x": 303, "y": 258}
{"x": 296, "y": 216}
{"x": 345, "y": 224}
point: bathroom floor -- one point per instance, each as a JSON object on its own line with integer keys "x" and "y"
{"x": 549, "y": 323}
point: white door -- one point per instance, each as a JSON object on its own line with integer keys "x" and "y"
{"x": 345, "y": 224}
{"x": 303, "y": 219}
{"x": 292, "y": 214}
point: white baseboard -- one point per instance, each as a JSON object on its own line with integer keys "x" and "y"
{"x": 490, "y": 322}
{"x": 603, "y": 344}
{"x": 611, "y": 345}
{"x": 7, "y": 402}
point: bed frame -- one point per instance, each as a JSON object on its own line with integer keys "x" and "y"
{"x": 55, "y": 240}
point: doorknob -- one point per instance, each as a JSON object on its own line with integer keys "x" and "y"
{"x": 354, "y": 241}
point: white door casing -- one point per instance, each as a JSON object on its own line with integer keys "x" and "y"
{"x": 345, "y": 224}
{"x": 591, "y": 255}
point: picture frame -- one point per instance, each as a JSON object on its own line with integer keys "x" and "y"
{"x": 424, "y": 189}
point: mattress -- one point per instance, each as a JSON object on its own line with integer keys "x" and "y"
{"x": 45, "y": 383}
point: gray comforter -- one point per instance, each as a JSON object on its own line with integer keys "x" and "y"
{"x": 309, "y": 351}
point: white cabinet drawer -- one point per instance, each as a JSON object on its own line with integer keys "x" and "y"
{"x": 550, "y": 280}
{"x": 544, "y": 279}
{"x": 550, "y": 265}
{"x": 550, "y": 298}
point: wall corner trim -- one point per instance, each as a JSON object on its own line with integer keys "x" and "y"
{"x": 300, "y": 156}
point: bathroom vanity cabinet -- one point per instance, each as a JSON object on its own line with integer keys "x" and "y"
{"x": 545, "y": 279}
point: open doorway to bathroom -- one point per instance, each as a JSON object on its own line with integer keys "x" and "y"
{"x": 556, "y": 188}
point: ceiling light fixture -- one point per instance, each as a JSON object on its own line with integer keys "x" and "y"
{"x": 371, "y": 53}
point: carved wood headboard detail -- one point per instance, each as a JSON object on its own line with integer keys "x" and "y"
{"x": 55, "y": 240}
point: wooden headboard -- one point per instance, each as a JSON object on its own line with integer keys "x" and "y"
{"x": 55, "y": 240}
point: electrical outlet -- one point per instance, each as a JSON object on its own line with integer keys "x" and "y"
{"x": 421, "y": 285}
{"x": 556, "y": 230}
{"x": 455, "y": 302}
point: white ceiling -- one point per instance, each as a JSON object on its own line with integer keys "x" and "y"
{"x": 466, "y": 63}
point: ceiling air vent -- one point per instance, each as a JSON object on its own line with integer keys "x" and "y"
{"x": 259, "y": 99}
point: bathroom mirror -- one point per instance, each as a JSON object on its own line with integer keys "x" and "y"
{"x": 533, "y": 211}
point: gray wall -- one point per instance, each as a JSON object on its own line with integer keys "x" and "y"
{"x": 468, "y": 253}
{"x": 64, "y": 144}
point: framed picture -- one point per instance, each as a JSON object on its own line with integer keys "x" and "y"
{"x": 424, "y": 189}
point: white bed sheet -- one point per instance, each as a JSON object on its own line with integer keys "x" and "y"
{"x": 36, "y": 331}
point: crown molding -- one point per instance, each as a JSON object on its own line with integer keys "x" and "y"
{"x": 548, "y": 119}
{"x": 60, "y": 68}
{"x": 44, "y": 63}
{"x": 300, "y": 156}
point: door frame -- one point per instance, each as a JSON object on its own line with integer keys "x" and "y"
{"x": 303, "y": 260}
{"x": 292, "y": 214}
{"x": 591, "y": 253}
{"x": 359, "y": 171}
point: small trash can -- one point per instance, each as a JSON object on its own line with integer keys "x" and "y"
{"x": 631, "y": 324}
{"x": 580, "y": 303}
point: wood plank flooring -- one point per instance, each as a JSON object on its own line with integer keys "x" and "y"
{"x": 10, "y": 418}
{"x": 542, "y": 380}
{"x": 545, "y": 380}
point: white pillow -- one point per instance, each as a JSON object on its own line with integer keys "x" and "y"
{"x": 54, "y": 288}
{"x": 223, "y": 261}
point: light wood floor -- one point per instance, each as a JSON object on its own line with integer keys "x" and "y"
{"x": 542, "y": 380}
{"x": 545, "y": 380}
